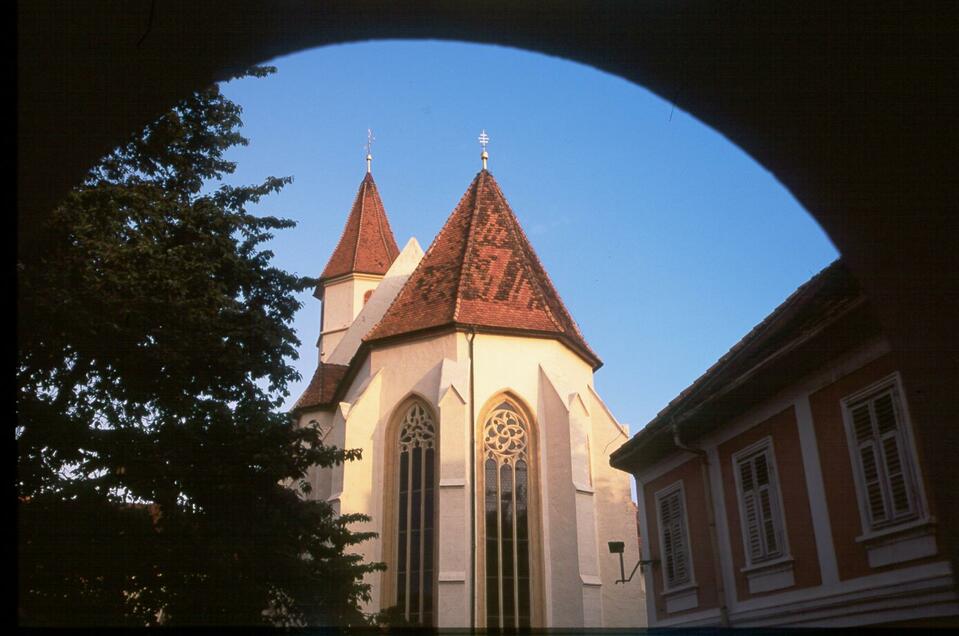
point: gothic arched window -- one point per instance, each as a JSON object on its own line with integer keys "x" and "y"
{"x": 506, "y": 494}
{"x": 415, "y": 519}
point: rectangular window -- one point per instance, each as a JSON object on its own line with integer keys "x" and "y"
{"x": 676, "y": 561}
{"x": 882, "y": 458}
{"x": 764, "y": 535}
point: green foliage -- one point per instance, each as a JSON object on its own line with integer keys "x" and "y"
{"x": 157, "y": 481}
{"x": 392, "y": 618}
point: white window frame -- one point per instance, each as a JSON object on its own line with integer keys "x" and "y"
{"x": 764, "y": 447}
{"x": 668, "y": 491}
{"x": 907, "y": 453}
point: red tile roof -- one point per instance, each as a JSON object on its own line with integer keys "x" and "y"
{"x": 322, "y": 387}
{"x": 481, "y": 271}
{"x": 818, "y": 302}
{"x": 367, "y": 245}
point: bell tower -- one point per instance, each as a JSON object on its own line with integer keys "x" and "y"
{"x": 363, "y": 255}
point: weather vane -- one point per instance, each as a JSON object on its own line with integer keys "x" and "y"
{"x": 484, "y": 139}
{"x": 369, "y": 149}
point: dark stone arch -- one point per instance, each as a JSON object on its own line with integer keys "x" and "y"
{"x": 850, "y": 106}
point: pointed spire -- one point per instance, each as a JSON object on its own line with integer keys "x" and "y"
{"x": 481, "y": 271}
{"x": 367, "y": 245}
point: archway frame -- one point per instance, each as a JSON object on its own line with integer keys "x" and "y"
{"x": 848, "y": 104}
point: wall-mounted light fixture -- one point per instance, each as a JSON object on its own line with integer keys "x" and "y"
{"x": 618, "y": 547}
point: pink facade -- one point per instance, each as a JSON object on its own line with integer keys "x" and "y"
{"x": 800, "y": 444}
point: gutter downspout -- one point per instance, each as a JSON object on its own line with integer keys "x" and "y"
{"x": 470, "y": 338}
{"x": 711, "y": 518}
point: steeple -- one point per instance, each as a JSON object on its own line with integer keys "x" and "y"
{"x": 365, "y": 252}
{"x": 367, "y": 245}
{"x": 481, "y": 271}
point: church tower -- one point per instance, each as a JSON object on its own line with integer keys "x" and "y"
{"x": 362, "y": 257}
{"x": 469, "y": 387}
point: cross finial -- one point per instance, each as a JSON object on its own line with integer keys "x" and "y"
{"x": 484, "y": 139}
{"x": 369, "y": 149}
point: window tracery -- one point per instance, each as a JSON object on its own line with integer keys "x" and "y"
{"x": 415, "y": 503}
{"x": 506, "y": 469}
{"x": 418, "y": 430}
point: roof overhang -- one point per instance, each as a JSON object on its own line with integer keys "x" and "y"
{"x": 368, "y": 346}
{"x": 323, "y": 283}
{"x": 730, "y": 391}
{"x": 591, "y": 359}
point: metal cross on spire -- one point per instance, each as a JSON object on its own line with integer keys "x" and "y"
{"x": 484, "y": 139}
{"x": 369, "y": 149}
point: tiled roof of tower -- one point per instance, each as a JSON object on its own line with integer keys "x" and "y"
{"x": 481, "y": 271}
{"x": 322, "y": 386}
{"x": 367, "y": 245}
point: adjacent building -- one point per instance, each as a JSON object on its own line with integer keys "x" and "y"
{"x": 787, "y": 485}
{"x": 469, "y": 387}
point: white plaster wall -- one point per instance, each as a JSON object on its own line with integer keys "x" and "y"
{"x": 564, "y": 594}
{"x": 362, "y": 283}
{"x": 579, "y": 511}
{"x": 453, "y": 532}
{"x": 342, "y": 349}
{"x": 329, "y": 341}
{"x": 416, "y": 368}
{"x": 624, "y": 604}
{"x": 342, "y": 302}
{"x": 319, "y": 477}
{"x": 337, "y": 305}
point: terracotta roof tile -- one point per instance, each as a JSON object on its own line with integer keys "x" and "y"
{"x": 816, "y": 303}
{"x": 322, "y": 386}
{"x": 482, "y": 271}
{"x": 367, "y": 245}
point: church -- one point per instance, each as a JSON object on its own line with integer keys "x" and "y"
{"x": 469, "y": 388}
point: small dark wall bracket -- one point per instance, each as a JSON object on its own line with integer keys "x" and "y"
{"x": 618, "y": 547}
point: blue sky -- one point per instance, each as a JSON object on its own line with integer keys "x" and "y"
{"x": 666, "y": 242}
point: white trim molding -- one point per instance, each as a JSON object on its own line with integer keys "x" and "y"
{"x": 816, "y": 491}
{"x": 765, "y": 409}
{"x": 723, "y": 538}
{"x": 780, "y": 542}
{"x": 769, "y": 576}
{"x": 682, "y": 598}
{"x": 645, "y": 551}
{"x": 696, "y": 619}
{"x": 906, "y": 542}
{"x": 773, "y": 570}
{"x": 917, "y": 592}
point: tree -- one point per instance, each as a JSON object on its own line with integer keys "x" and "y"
{"x": 157, "y": 481}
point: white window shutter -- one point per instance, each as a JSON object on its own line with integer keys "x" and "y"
{"x": 870, "y": 470}
{"x": 682, "y": 567}
{"x": 759, "y": 497}
{"x": 675, "y": 557}
{"x": 887, "y": 424}
{"x": 750, "y": 511}
{"x": 883, "y": 464}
